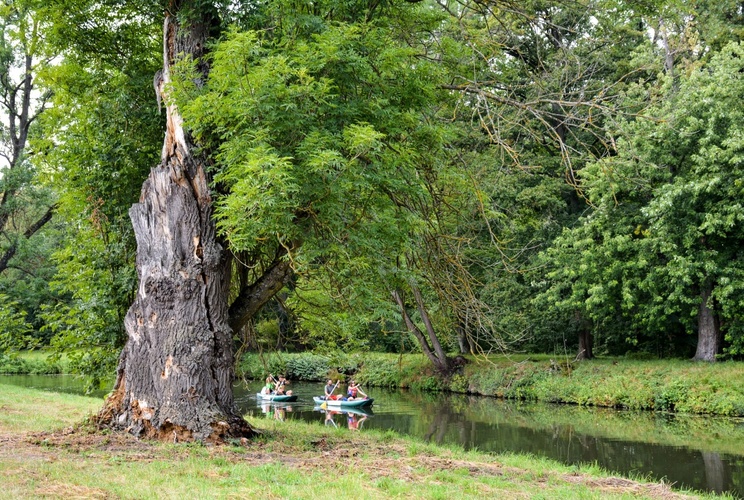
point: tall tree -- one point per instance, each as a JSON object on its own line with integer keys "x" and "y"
{"x": 652, "y": 254}
{"x": 101, "y": 133}
{"x": 25, "y": 207}
{"x": 312, "y": 131}
{"x": 542, "y": 80}
{"x": 175, "y": 374}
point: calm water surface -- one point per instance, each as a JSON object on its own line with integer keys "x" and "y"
{"x": 704, "y": 453}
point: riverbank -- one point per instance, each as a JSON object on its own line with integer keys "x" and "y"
{"x": 50, "y": 454}
{"x": 680, "y": 386}
{"x": 660, "y": 385}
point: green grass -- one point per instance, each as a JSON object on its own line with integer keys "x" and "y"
{"x": 27, "y": 410}
{"x": 291, "y": 459}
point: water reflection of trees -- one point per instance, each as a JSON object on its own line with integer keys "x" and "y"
{"x": 698, "y": 452}
{"x": 614, "y": 440}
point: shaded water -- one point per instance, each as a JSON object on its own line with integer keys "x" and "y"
{"x": 704, "y": 453}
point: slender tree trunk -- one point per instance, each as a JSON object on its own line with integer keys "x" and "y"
{"x": 175, "y": 375}
{"x": 585, "y": 345}
{"x": 463, "y": 339}
{"x": 709, "y": 331}
{"x": 435, "y": 354}
{"x": 425, "y": 347}
{"x": 444, "y": 362}
{"x": 668, "y": 54}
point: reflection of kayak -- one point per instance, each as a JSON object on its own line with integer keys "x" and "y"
{"x": 283, "y": 398}
{"x": 358, "y": 410}
{"x": 338, "y": 403}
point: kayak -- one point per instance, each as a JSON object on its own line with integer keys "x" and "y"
{"x": 276, "y": 398}
{"x": 365, "y": 411}
{"x": 339, "y": 403}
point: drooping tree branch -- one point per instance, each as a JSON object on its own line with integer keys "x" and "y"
{"x": 11, "y": 251}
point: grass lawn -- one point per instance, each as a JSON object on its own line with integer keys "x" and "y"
{"x": 47, "y": 451}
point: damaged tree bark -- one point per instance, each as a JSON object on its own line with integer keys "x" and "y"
{"x": 176, "y": 373}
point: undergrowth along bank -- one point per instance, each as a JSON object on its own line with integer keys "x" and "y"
{"x": 660, "y": 385}
{"x": 29, "y": 363}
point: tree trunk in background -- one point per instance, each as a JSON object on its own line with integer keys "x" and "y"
{"x": 175, "y": 374}
{"x": 585, "y": 345}
{"x": 586, "y": 340}
{"x": 709, "y": 331}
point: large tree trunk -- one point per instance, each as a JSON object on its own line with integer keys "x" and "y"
{"x": 709, "y": 331}
{"x": 175, "y": 374}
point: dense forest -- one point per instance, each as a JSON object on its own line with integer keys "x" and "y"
{"x": 449, "y": 176}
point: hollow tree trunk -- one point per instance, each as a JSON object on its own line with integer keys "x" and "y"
{"x": 709, "y": 331}
{"x": 175, "y": 374}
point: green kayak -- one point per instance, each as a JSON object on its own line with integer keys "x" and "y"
{"x": 339, "y": 403}
{"x": 274, "y": 398}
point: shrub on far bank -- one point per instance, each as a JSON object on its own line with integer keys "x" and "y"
{"x": 28, "y": 364}
{"x": 304, "y": 366}
{"x": 376, "y": 369}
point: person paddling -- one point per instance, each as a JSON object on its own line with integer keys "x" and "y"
{"x": 281, "y": 386}
{"x": 329, "y": 388}
{"x": 353, "y": 390}
{"x": 269, "y": 387}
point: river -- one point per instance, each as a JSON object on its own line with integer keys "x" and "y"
{"x": 699, "y": 452}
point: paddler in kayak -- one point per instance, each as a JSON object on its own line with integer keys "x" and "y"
{"x": 280, "y": 388}
{"x": 268, "y": 389}
{"x": 353, "y": 391}
{"x": 329, "y": 388}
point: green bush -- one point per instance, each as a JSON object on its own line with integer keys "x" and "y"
{"x": 256, "y": 366}
{"x": 670, "y": 396}
{"x": 428, "y": 383}
{"x": 295, "y": 366}
{"x": 458, "y": 383}
{"x": 380, "y": 372}
{"x": 307, "y": 366}
{"x": 15, "y": 364}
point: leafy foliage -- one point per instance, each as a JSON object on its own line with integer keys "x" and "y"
{"x": 14, "y": 329}
{"x": 530, "y": 170}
